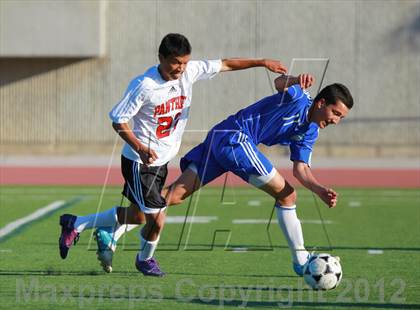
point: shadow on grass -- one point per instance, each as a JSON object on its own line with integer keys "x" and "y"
{"x": 261, "y": 288}
{"x": 50, "y": 273}
{"x": 231, "y": 275}
{"x": 54, "y": 273}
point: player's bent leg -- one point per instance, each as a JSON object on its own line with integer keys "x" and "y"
{"x": 107, "y": 237}
{"x": 183, "y": 187}
{"x": 174, "y": 194}
{"x": 154, "y": 225}
{"x": 285, "y": 197}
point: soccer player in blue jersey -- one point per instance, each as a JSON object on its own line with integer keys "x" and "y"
{"x": 291, "y": 118}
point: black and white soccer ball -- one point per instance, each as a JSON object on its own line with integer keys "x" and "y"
{"x": 323, "y": 272}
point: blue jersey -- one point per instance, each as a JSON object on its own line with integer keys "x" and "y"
{"x": 232, "y": 144}
{"x": 278, "y": 119}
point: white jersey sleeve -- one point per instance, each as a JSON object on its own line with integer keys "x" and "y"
{"x": 129, "y": 105}
{"x": 202, "y": 69}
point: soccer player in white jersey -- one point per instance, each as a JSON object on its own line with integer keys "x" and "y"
{"x": 158, "y": 102}
{"x": 290, "y": 118}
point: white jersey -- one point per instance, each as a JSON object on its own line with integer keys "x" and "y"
{"x": 160, "y": 108}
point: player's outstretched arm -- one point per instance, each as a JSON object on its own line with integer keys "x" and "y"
{"x": 304, "y": 80}
{"x": 303, "y": 173}
{"x": 147, "y": 155}
{"x": 232, "y": 64}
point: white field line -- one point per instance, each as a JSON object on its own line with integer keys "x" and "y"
{"x": 316, "y": 222}
{"x": 355, "y": 204}
{"x": 254, "y": 203}
{"x": 190, "y": 219}
{"x": 262, "y": 221}
{"x": 250, "y": 221}
{"x": 239, "y": 250}
{"x": 29, "y": 218}
{"x": 374, "y": 252}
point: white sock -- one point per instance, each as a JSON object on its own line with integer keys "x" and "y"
{"x": 106, "y": 218}
{"x": 147, "y": 248}
{"x": 122, "y": 229}
{"x": 292, "y": 230}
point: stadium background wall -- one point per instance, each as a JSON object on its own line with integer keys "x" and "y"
{"x": 59, "y": 104}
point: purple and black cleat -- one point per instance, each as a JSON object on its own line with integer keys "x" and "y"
{"x": 149, "y": 267}
{"x": 69, "y": 235}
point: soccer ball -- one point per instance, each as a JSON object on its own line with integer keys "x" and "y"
{"x": 323, "y": 272}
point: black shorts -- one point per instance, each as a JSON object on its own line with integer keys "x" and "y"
{"x": 143, "y": 184}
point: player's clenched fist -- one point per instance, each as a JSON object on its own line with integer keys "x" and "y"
{"x": 329, "y": 197}
{"x": 147, "y": 155}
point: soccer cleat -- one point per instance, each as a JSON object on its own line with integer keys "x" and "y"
{"x": 300, "y": 269}
{"x": 149, "y": 267}
{"x": 69, "y": 235}
{"x": 106, "y": 247}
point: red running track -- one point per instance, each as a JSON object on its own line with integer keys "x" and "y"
{"x": 385, "y": 178}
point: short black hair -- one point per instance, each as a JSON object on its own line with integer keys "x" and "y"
{"x": 174, "y": 44}
{"x": 334, "y": 92}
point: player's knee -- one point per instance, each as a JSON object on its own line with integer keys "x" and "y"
{"x": 287, "y": 197}
{"x": 156, "y": 225}
{"x": 159, "y": 225}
